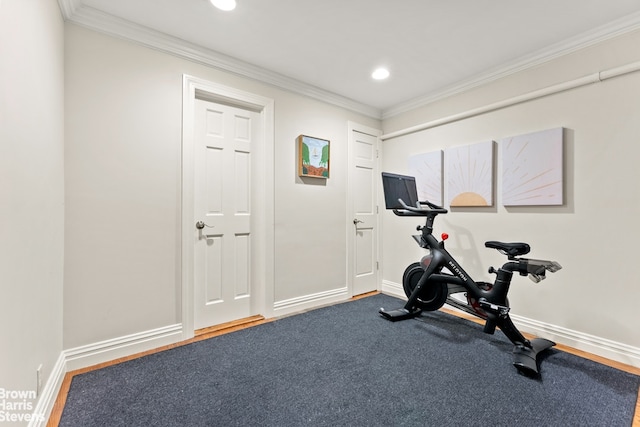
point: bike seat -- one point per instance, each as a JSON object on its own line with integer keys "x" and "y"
{"x": 509, "y": 249}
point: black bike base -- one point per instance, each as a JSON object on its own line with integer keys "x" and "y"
{"x": 399, "y": 314}
{"x": 525, "y": 359}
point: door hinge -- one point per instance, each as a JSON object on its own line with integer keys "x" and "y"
{"x": 377, "y": 266}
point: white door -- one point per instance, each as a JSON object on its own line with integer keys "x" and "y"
{"x": 363, "y": 227}
{"x": 223, "y": 138}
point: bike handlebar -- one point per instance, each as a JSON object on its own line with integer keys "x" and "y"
{"x": 432, "y": 209}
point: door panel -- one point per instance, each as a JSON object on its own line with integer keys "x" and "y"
{"x": 213, "y": 272}
{"x": 364, "y": 258}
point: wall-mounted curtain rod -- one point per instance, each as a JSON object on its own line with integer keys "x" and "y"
{"x": 550, "y": 90}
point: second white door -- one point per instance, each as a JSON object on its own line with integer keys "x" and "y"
{"x": 363, "y": 178}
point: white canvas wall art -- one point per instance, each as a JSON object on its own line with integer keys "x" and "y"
{"x": 532, "y": 169}
{"x": 427, "y": 169}
{"x": 469, "y": 174}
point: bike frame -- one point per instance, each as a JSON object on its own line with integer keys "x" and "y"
{"x": 497, "y": 295}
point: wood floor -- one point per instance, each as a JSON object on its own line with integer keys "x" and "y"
{"x": 214, "y": 331}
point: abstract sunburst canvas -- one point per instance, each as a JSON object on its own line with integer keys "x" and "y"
{"x": 469, "y": 174}
{"x": 427, "y": 169}
{"x": 532, "y": 169}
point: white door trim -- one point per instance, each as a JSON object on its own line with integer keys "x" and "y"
{"x": 351, "y": 128}
{"x": 264, "y": 264}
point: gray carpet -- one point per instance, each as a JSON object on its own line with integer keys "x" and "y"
{"x": 346, "y": 366}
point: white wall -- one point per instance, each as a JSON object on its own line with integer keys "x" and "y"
{"x": 594, "y": 235}
{"x": 31, "y": 190}
{"x": 123, "y": 190}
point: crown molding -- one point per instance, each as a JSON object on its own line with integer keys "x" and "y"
{"x": 597, "y": 35}
{"x": 74, "y": 11}
{"x": 93, "y": 19}
{"x": 68, "y": 7}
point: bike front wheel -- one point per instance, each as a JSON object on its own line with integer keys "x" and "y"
{"x": 433, "y": 295}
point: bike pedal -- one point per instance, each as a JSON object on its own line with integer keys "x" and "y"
{"x": 399, "y": 314}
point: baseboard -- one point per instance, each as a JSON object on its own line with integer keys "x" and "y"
{"x": 305, "y": 302}
{"x": 393, "y": 289}
{"x": 599, "y": 346}
{"x": 603, "y": 347}
{"x": 109, "y": 350}
{"x": 49, "y": 394}
{"x": 94, "y": 354}
{"x": 105, "y": 351}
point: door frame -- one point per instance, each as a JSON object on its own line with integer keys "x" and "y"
{"x": 263, "y": 197}
{"x": 377, "y": 133}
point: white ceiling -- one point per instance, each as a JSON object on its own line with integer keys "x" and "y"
{"x": 329, "y": 48}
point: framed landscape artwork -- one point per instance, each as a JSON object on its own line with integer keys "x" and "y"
{"x": 313, "y": 157}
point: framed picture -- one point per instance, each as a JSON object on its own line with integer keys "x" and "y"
{"x": 313, "y": 157}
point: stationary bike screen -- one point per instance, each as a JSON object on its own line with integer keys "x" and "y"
{"x": 399, "y": 187}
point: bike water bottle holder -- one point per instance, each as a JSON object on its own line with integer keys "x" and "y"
{"x": 420, "y": 241}
{"x": 495, "y": 314}
{"x": 499, "y": 310}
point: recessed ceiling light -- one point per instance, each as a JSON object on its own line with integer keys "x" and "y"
{"x": 380, "y": 74}
{"x": 224, "y": 4}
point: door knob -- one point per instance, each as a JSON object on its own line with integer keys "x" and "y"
{"x": 200, "y": 225}
{"x": 357, "y": 221}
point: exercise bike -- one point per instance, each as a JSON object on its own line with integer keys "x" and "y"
{"x": 428, "y": 286}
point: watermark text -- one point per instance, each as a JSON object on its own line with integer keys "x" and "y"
{"x": 18, "y": 405}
